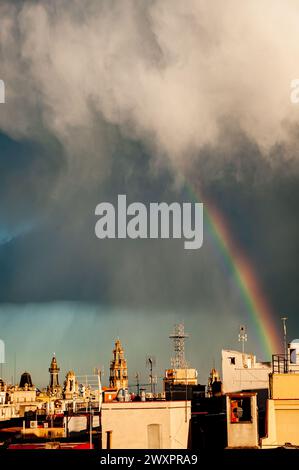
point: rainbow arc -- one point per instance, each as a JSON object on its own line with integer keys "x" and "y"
{"x": 257, "y": 306}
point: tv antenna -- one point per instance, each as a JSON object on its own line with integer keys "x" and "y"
{"x": 137, "y": 377}
{"x": 151, "y": 362}
{"x": 242, "y": 337}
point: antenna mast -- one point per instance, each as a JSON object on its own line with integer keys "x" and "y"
{"x": 284, "y": 324}
{"x": 179, "y": 336}
{"x": 242, "y": 337}
{"x": 151, "y": 362}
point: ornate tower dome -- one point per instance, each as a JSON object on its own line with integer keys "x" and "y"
{"x": 25, "y": 380}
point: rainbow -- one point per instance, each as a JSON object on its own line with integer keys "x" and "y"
{"x": 257, "y": 306}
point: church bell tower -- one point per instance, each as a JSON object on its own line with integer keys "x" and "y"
{"x": 118, "y": 368}
{"x": 54, "y": 387}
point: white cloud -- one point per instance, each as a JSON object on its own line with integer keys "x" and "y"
{"x": 165, "y": 71}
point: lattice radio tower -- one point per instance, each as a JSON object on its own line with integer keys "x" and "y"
{"x": 179, "y": 336}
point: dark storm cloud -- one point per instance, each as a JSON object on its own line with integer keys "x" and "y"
{"x": 60, "y": 258}
{"x": 116, "y": 98}
{"x": 28, "y": 172}
{"x": 259, "y": 198}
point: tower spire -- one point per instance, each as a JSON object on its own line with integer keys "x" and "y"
{"x": 118, "y": 368}
{"x": 54, "y": 386}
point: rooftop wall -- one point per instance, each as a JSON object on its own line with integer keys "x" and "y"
{"x": 146, "y": 425}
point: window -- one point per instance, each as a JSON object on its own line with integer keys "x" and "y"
{"x": 232, "y": 360}
{"x": 293, "y": 354}
{"x": 240, "y": 410}
{"x": 154, "y": 436}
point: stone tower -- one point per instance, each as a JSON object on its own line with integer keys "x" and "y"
{"x": 70, "y": 385}
{"x": 54, "y": 387}
{"x": 118, "y": 368}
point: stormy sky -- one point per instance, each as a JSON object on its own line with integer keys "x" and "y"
{"x": 143, "y": 98}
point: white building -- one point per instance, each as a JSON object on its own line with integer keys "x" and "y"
{"x": 240, "y": 371}
{"x": 8, "y": 412}
{"x": 146, "y": 425}
{"x": 18, "y": 395}
{"x": 3, "y": 390}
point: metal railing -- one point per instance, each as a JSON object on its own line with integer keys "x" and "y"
{"x": 280, "y": 364}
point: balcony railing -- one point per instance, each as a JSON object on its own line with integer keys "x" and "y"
{"x": 282, "y": 364}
